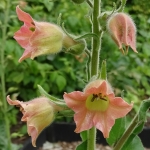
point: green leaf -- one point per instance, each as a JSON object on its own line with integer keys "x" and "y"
{"x": 82, "y": 146}
{"x": 117, "y": 130}
{"x": 133, "y": 143}
{"x": 61, "y": 82}
{"x": 145, "y": 105}
{"x": 83, "y": 135}
{"x": 53, "y": 76}
{"x": 136, "y": 126}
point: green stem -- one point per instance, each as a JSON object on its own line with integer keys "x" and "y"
{"x": 91, "y": 139}
{"x": 126, "y": 134}
{"x": 96, "y": 45}
{"x": 4, "y": 37}
{"x": 121, "y": 8}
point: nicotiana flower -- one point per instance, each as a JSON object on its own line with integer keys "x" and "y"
{"x": 123, "y": 31}
{"x": 38, "y": 113}
{"x": 37, "y": 38}
{"x": 96, "y": 106}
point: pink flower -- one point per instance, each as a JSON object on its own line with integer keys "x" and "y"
{"x": 96, "y": 106}
{"x": 123, "y": 31}
{"x": 38, "y": 113}
{"x": 37, "y": 38}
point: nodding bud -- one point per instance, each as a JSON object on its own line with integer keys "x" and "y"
{"x": 123, "y": 31}
{"x": 78, "y": 1}
{"x": 72, "y": 46}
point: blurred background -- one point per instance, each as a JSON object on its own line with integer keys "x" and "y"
{"x": 129, "y": 75}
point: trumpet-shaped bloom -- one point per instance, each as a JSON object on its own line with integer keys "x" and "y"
{"x": 37, "y": 38}
{"x": 96, "y": 106}
{"x": 38, "y": 113}
{"x": 122, "y": 30}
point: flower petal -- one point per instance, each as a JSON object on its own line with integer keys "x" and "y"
{"x": 83, "y": 120}
{"x": 11, "y": 102}
{"x": 23, "y": 16}
{"x": 118, "y": 107}
{"x": 75, "y": 100}
{"x": 27, "y": 54}
{"x": 37, "y": 123}
{"x": 103, "y": 122}
{"x": 22, "y": 36}
{"x": 98, "y": 86}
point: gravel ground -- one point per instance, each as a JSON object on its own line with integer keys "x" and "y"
{"x": 70, "y": 146}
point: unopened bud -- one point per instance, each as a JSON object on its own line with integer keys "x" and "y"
{"x": 123, "y": 31}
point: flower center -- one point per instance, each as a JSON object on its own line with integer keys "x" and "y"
{"x": 32, "y": 29}
{"x": 96, "y": 102}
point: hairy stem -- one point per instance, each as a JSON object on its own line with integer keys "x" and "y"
{"x": 96, "y": 45}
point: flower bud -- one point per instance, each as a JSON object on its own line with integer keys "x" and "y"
{"x": 123, "y": 31}
{"x": 37, "y": 38}
{"x": 78, "y": 1}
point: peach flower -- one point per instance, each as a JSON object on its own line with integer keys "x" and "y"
{"x": 37, "y": 38}
{"x": 96, "y": 106}
{"x": 38, "y": 113}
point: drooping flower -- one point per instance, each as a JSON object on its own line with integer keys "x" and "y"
{"x": 123, "y": 31}
{"x": 38, "y": 113}
{"x": 37, "y": 38}
{"x": 96, "y": 106}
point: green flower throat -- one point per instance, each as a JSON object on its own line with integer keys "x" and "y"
{"x": 97, "y": 102}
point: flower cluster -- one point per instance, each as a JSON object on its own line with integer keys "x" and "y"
{"x": 97, "y": 105}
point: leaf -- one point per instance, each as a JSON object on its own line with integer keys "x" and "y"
{"x": 117, "y": 130}
{"x": 83, "y": 135}
{"x": 82, "y": 146}
{"x": 145, "y": 105}
{"x": 49, "y": 5}
{"x": 133, "y": 143}
{"x": 103, "y": 73}
{"x": 61, "y": 82}
{"x": 129, "y": 137}
{"x": 53, "y": 76}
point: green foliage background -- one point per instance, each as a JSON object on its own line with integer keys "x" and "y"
{"x": 64, "y": 72}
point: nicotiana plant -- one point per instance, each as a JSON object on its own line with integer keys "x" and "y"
{"x": 96, "y": 107}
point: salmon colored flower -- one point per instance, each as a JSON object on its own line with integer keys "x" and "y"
{"x": 38, "y": 113}
{"x": 123, "y": 31}
{"x": 96, "y": 106}
{"x": 37, "y": 38}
